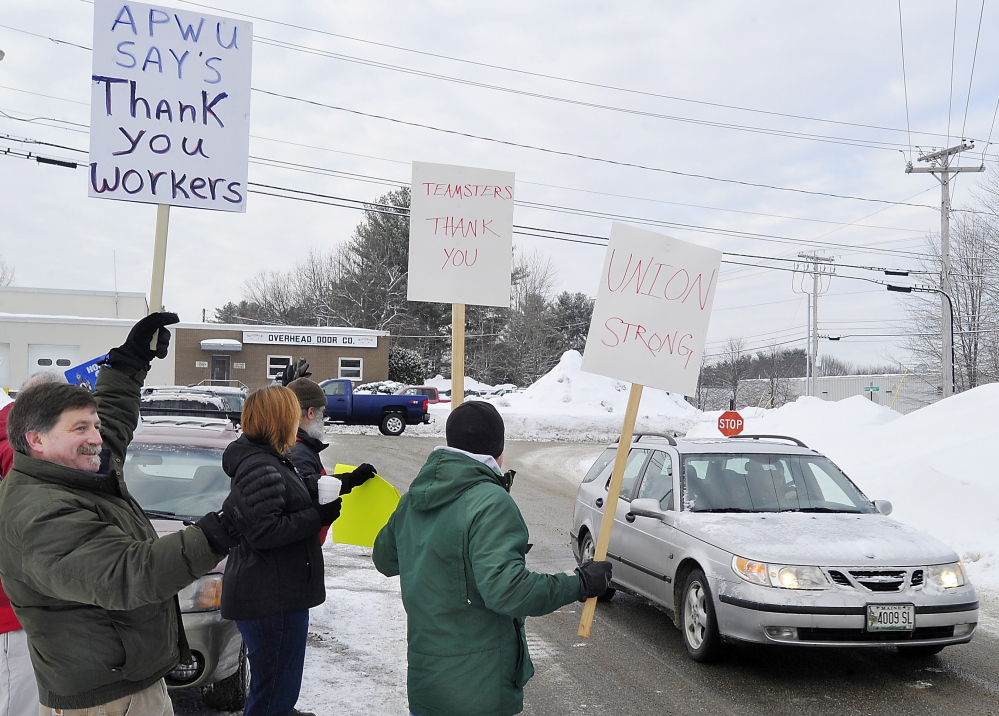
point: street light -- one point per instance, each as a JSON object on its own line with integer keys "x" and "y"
{"x": 950, "y": 306}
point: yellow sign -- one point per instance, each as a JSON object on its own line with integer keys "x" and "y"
{"x": 365, "y": 510}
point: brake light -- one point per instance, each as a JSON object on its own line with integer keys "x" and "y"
{"x": 426, "y": 402}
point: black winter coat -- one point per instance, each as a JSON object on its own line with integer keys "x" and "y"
{"x": 278, "y": 565}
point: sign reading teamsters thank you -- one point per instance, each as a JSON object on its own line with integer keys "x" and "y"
{"x": 170, "y": 106}
{"x": 460, "y": 235}
{"x": 651, "y": 315}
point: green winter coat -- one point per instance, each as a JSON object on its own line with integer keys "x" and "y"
{"x": 88, "y": 579}
{"x": 458, "y": 542}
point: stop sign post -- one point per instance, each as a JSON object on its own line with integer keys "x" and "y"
{"x": 730, "y": 423}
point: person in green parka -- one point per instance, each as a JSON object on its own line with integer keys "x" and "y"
{"x": 457, "y": 542}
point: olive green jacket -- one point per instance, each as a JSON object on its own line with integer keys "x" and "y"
{"x": 458, "y": 542}
{"x": 90, "y": 582}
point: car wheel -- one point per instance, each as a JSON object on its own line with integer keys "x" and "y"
{"x": 229, "y": 694}
{"x": 586, "y": 551}
{"x": 699, "y": 626}
{"x": 918, "y": 652}
{"x": 392, "y": 424}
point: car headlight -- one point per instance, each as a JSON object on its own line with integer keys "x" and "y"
{"x": 947, "y": 576}
{"x": 202, "y": 595}
{"x": 783, "y": 576}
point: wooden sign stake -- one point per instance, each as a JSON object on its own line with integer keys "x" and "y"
{"x": 613, "y": 492}
{"x": 159, "y": 257}
{"x": 457, "y": 354}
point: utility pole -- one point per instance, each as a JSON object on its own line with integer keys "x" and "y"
{"x": 941, "y": 169}
{"x": 818, "y": 267}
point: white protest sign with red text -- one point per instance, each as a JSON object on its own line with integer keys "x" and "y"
{"x": 460, "y": 235}
{"x": 650, "y": 319}
{"x": 169, "y": 106}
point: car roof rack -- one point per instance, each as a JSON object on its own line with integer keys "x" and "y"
{"x": 773, "y": 437}
{"x": 639, "y": 436}
{"x": 234, "y": 417}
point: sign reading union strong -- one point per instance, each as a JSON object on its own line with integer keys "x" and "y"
{"x": 310, "y": 339}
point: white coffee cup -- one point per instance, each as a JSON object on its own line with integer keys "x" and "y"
{"x": 329, "y": 489}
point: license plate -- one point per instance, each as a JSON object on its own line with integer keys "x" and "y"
{"x": 891, "y": 617}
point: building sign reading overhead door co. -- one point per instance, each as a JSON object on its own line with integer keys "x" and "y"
{"x": 309, "y": 339}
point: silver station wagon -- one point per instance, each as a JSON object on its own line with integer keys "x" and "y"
{"x": 761, "y": 539}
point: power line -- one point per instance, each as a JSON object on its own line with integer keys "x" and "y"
{"x": 905, "y": 85}
{"x": 974, "y": 58}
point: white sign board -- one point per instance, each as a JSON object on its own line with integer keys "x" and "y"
{"x": 325, "y": 340}
{"x": 169, "y": 106}
{"x": 460, "y": 235}
{"x": 651, "y": 315}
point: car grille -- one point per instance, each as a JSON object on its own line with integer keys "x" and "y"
{"x": 890, "y": 579}
{"x": 817, "y": 634}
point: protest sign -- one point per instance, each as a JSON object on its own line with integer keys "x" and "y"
{"x": 460, "y": 235}
{"x": 364, "y": 510}
{"x": 651, "y": 315}
{"x": 170, "y": 106}
{"x": 649, "y": 324}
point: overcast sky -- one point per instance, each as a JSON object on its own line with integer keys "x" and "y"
{"x": 806, "y": 97}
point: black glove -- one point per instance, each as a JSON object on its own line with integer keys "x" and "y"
{"x": 220, "y": 532}
{"x": 135, "y": 351}
{"x": 294, "y": 371}
{"x": 261, "y": 490}
{"x": 594, "y": 579}
{"x": 328, "y": 512}
{"x": 361, "y": 474}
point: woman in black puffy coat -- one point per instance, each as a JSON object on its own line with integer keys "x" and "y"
{"x": 275, "y": 574}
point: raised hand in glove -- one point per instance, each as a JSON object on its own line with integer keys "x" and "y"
{"x": 295, "y": 370}
{"x": 594, "y": 579}
{"x": 136, "y": 352}
{"x": 328, "y": 512}
{"x": 260, "y": 491}
{"x": 361, "y": 474}
{"x": 220, "y": 532}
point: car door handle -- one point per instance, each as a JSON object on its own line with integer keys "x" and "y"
{"x": 599, "y": 502}
{"x": 630, "y": 517}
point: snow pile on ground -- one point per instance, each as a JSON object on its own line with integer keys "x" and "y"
{"x": 935, "y": 465}
{"x": 568, "y": 404}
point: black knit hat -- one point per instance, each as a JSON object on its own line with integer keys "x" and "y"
{"x": 476, "y": 427}
{"x": 310, "y": 395}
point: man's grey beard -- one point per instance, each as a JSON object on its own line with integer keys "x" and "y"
{"x": 94, "y": 450}
{"x": 316, "y": 429}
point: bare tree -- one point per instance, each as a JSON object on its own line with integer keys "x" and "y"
{"x": 734, "y": 367}
{"x": 6, "y": 272}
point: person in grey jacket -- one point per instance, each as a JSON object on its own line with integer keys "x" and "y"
{"x": 86, "y": 574}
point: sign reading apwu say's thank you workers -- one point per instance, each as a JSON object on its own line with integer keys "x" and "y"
{"x": 651, "y": 315}
{"x": 170, "y": 106}
{"x": 460, "y": 235}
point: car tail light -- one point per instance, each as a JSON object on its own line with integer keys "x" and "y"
{"x": 426, "y": 402}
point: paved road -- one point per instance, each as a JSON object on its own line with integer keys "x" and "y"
{"x": 635, "y": 663}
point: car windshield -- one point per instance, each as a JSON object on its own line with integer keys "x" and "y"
{"x": 176, "y": 479}
{"x": 755, "y": 482}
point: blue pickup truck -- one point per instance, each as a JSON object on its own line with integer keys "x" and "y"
{"x": 391, "y": 413}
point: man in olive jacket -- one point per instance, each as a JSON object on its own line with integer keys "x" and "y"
{"x": 91, "y": 583}
{"x": 458, "y": 542}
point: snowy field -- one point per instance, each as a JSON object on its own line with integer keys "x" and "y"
{"x": 935, "y": 466}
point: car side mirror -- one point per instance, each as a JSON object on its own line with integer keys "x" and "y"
{"x": 883, "y": 506}
{"x": 647, "y": 507}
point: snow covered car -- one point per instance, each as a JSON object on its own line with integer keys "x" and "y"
{"x": 761, "y": 539}
{"x": 174, "y": 471}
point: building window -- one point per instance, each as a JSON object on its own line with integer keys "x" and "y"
{"x": 276, "y": 366}
{"x": 45, "y": 361}
{"x": 63, "y": 362}
{"x": 351, "y": 368}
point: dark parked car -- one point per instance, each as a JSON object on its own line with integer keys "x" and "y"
{"x": 174, "y": 471}
{"x": 391, "y": 413}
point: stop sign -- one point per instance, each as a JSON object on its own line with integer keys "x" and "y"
{"x": 730, "y": 423}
